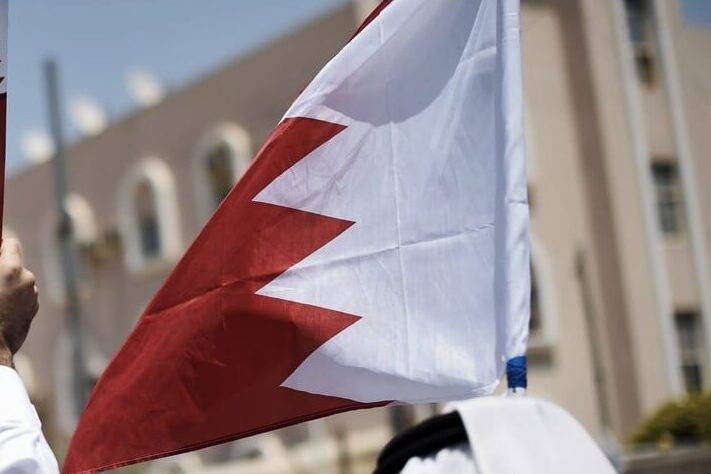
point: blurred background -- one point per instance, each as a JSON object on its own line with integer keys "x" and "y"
{"x": 161, "y": 105}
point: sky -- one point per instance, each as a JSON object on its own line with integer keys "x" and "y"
{"x": 95, "y": 42}
{"x": 697, "y": 12}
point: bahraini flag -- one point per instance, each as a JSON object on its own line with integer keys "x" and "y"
{"x": 376, "y": 251}
{"x": 3, "y": 98}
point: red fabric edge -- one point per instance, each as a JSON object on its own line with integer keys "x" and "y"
{"x": 3, "y": 138}
{"x": 235, "y": 437}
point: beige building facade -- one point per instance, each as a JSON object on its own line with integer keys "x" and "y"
{"x": 618, "y": 130}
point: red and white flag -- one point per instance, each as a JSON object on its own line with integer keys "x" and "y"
{"x": 3, "y": 100}
{"x": 375, "y": 251}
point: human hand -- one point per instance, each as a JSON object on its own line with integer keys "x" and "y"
{"x": 18, "y": 300}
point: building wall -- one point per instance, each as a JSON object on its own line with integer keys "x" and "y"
{"x": 561, "y": 368}
{"x": 608, "y": 281}
{"x": 631, "y": 305}
{"x": 593, "y": 212}
{"x": 689, "y": 48}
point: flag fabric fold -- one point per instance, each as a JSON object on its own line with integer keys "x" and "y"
{"x": 376, "y": 251}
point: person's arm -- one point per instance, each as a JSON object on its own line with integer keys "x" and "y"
{"x": 23, "y": 448}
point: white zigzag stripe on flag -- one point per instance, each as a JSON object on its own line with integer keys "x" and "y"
{"x": 416, "y": 169}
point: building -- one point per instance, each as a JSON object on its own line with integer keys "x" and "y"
{"x": 618, "y": 120}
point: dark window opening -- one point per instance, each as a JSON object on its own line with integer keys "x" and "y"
{"x": 669, "y": 196}
{"x": 641, "y": 30}
{"x": 147, "y": 215}
{"x": 220, "y": 171}
{"x": 691, "y": 349}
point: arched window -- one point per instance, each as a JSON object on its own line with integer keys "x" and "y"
{"x": 148, "y": 217}
{"x": 221, "y": 157}
{"x": 220, "y": 171}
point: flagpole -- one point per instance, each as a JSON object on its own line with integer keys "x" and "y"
{"x": 65, "y": 235}
{"x": 517, "y": 375}
{"x": 512, "y": 192}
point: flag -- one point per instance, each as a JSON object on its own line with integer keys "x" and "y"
{"x": 376, "y": 251}
{"x": 3, "y": 100}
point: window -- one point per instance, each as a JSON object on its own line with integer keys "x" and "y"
{"x": 220, "y": 172}
{"x": 637, "y": 16}
{"x": 640, "y": 26}
{"x": 691, "y": 349}
{"x": 148, "y": 217}
{"x": 669, "y": 202}
{"x": 221, "y": 157}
